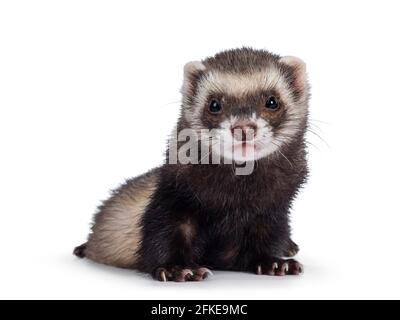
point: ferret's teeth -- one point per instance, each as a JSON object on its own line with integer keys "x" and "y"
{"x": 275, "y": 266}
{"x": 163, "y": 276}
{"x": 259, "y": 270}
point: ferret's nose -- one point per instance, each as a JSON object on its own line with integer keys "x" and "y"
{"x": 244, "y": 131}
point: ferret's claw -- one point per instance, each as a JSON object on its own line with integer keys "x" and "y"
{"x": 201, "y": 274}
{"x": 280, "y": 267}
{"x": 188, "y": 272}
{"x": 283, "y": 270}
{"x": 163, "y": 276}
{"x": 207, "y": 273}
{"x": 259, "y": 270}
{"x": 183, "y": 275}
{"x": 285, "y": 267}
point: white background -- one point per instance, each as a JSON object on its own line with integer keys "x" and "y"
{"x": 89, "y": 91}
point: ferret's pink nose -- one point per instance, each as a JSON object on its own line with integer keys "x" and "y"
{"x": 244, "y": 131}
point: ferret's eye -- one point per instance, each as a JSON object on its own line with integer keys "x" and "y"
{"x": 215, "y": 106}
{"x": 272, "y": 104}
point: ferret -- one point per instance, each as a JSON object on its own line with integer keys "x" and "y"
{"x": 180, "y": 221}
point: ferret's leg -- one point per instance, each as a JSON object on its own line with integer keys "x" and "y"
{"x": 270, "y": 239}
{"x": 170, "y": 249}
{"x": 172, "y": 245}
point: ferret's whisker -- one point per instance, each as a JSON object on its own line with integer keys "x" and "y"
{"x": 291, "y": 164}
{"x": 170, "y": 103}
{"x": 317, "y": 135}
{"x": 209, "y": 152}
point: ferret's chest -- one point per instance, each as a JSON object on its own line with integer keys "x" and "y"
{"x": 239, "y": 196}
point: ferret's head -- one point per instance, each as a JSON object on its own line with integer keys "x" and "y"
{"x": 253, "y": 102}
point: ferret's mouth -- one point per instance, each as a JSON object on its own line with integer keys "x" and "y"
{"x": 245, "y": 149}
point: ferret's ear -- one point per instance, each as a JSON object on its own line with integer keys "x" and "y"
{"x": 191, "y": 74}
{"x": 298, "y": 67}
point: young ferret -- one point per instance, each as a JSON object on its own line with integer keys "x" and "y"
{"x": 182, "y": 220}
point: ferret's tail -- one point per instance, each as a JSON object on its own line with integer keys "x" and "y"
{"x": 80, "y": 251}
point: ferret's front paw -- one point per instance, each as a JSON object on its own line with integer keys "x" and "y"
{"x": 179, "y": 274}
{"x": 280, "y": 267}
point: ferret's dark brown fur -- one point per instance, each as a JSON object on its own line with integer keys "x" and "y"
{"x": 180, "y": 221}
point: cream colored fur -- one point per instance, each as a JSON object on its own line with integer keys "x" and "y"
{"x": 116, "y": 233}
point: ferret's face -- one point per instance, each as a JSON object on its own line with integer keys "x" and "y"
{"x": 249, "y": 114}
